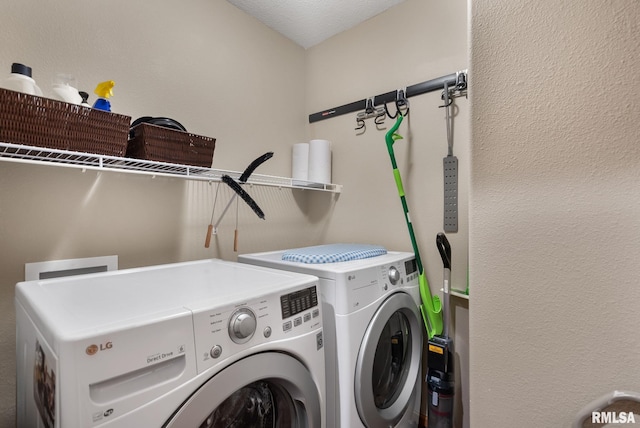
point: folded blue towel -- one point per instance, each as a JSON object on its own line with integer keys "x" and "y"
{"x": 332, "y": 253}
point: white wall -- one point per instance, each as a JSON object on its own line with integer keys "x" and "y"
{"x": 554, "y": 208}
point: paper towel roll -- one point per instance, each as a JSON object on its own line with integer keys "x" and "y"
{"x": 320, "y": 161}
{"x": 300, "y": 162}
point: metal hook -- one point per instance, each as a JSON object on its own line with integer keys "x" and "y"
{"x": 369, "y": 109}
{"x": 446, "y": 96}
{"x": 461, "y": 81}
{"x": 389, "y": 114}
{"x": 402, "y": 101}
{"x": 458, "y": 89}
{"x": 447, "y": 103}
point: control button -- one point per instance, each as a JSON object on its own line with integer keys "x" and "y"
{"x": 307, "y": 317}
{"x": 286, "y": 326}
{"x": 242, "y": 325}
{"x": 315, "y": 313}
{"x": 267, "y": 332}
{"x": 216, "y": 351}
{"x": 319, "y": 341}
{"x": 394, "y": 275}
{"x": 297, "y": 321}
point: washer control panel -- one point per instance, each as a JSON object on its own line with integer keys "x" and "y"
{"x": 221, "y": 333}
{"x": 401, "y": 273}
{"x": 358, "y": 288}
{"x": 298, "y": 301}
{"x": 411, "y": 269}
{"x": 299, "y": 308}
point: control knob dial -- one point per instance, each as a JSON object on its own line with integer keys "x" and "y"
{"x": 242, "y": 325}
{"x": 394, "y": 275}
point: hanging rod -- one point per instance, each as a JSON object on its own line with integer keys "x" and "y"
{"x": 458, "y": 80}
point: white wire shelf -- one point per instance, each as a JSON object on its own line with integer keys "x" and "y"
{"x": 45, "y": 156}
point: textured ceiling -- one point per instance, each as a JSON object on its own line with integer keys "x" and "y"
{"x": 309, "y": 22}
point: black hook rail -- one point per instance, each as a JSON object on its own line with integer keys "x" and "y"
{"x": 455, "y": 80}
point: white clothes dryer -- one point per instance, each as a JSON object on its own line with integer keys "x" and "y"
{"x": 373, "y": 333}
{"x": 197, "y": 344}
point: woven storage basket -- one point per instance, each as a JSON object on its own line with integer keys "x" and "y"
{"x": 156, "y": 143}
{"x": 43, "y": 122}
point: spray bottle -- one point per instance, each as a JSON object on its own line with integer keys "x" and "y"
{"x": 104, "y": 91}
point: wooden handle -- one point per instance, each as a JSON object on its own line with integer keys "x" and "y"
{"x": 235, "y": 241}
{"x": 207, "y": 241}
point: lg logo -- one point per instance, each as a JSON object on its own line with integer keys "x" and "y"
{"x": 98, "y": 416}
{"x": 93, "y": 349}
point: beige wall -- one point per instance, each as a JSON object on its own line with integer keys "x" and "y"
{"x": 223, "y": 74}
{"x": 372, "y": 59}
{"x": 204, "y": 63}
{"x": 410, "y": 43}
{"x": 554, "y": 208}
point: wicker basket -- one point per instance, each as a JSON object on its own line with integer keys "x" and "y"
{"x": 156, "y": 143}
{"x": 43, "y": 122}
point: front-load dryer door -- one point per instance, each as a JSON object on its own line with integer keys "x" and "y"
{"x": 388, "y": 362}
{"x": 263, "y": 390}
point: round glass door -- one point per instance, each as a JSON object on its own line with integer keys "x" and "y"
{"x": 260, "y": 404}
{"x": 268, "y": 390}
{"x": 391, "y": 361}
{"x": 388, "y": 362}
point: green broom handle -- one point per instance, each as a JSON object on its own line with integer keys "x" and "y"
{"x": 431, "y": 307}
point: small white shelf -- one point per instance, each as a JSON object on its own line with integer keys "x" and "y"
{"x": 457, "y": 293}
{"x": 45, "y": 156}
{"x": 460, "y": 294}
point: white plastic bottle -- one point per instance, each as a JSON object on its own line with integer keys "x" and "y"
{"x": 64, "y": 89}
{"x": 20, "y": 80}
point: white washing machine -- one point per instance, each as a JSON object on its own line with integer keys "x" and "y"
{"x": 196, "y": 344}
{"x": 373, "y": 333}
